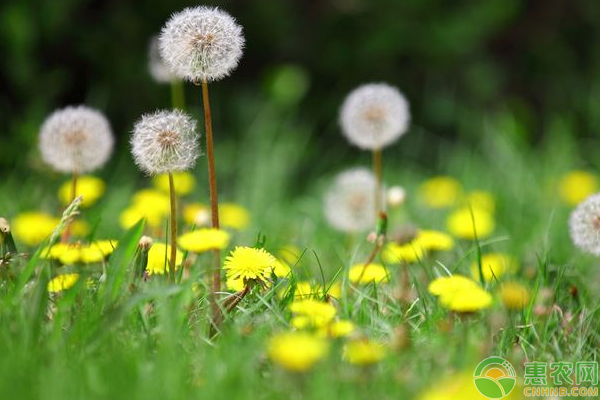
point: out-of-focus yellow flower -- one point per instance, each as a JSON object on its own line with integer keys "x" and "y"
{"x": 461, "y": 294}
{"x": 62, "y": 282}
{"x": 576, "y": 186}
{"x": 334, "y": 290}
{"x": 79, "y": 228}
{"x": 158, "y": 259}
{"x": 90, "y": 187}
{"x": 290, "y": 254}
{"x": 394, "y": 253}
{"x": 184, "y": 182}
{"x": 296, "y": 351}
{"x": 150, "y": 198}
{"x": 481, "y": 200}
{"x": 281, "y": 269}
{"x": 233, "y": 216}
{"x": 460, "y": 387}
{"x": 440, "y": 192}
{"x": 494, "y": 265}
{"x": 72, "y": 253}
{"x": 131, "y": 215}
{"x": 205, "y": 239}
{"x": 196, "y": 214}
{"x": 365, "y": 274}
{"x": 430, "y": 240}
{"x": 515, "y": 296}
{"x": 311, "y": 313}
{"x": 248, "y": 263}
{"x": 338, "y": 329}
{"x": 363, "y": 352}
{"x": 31, "y": 228}
{"x": 460, "y": 223}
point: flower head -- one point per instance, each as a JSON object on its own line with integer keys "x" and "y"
{"x": 248, "y": 263}
{"x": 370, "y": 273}
{"x": 158, "y": 259}
{"x": 374, "y": 116}
{"x": 89, "y": 253}
{"x": 468, "y": 223}
{"x": 76, "y": 139}
{"x": 165, "y": 141}
{"x": 364, "y": 352}
{"x": 350, "y": 202}
{"x": 575, "y": 186}
{"x": 157, "y": 67}
{"x": 62, "y": 282}
{"x": 584, "y": 225}
{"x": 395, "y": 253}
{"x": 296, "y": 351}
{"x": 33, "y": 227}
{"x": 493, "y": 266}
{"x": 461, "y": 294}
{"x": 201, "y": 43}
{"x": 440, "y": 191}
{"x": 183, "y": 181}
{"x": 89, "y": 187}
{"x": 515, "y": 296}
{"x": 203, "y": 240}
{"x": 311, "y": 313}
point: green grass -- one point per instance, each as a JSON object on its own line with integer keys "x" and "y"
{"x": 150, "y": 342}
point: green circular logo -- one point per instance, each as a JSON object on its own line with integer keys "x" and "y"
{"x": 495, "y": 378}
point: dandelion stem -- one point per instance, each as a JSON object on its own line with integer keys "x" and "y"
{"x": 173, "y": 258}
{"x": 377, "y": 156}
{"x": 214, "y": 203}
{"x": 177, "y": 94}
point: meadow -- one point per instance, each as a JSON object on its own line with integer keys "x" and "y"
{"x": 90, "y": 306}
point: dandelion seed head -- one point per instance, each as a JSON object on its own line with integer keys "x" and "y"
{"x": 165, "y": 141}
{"x": 158, "y": 69}
{"x": 584, "y": 225}
{"x": 201, "y": 43}
{"x": 76, "y": 139}
{"x": 374, "y": 116}
{"x": 350, "y": 202}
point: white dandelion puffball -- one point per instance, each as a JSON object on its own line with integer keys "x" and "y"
{"x": 350, "y": 202}
{"x": 165, "y": 141}
{"x": 374, "y": 116}
{"x": 76, "y": 140}
{"x": 201, "y": 43}
{"x": 584, "y": 225}
{"x": 159, "y": 71}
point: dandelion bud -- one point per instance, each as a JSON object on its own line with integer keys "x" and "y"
{"x": 584, "y": 225}
{"x": 350, "y": 203}
{"x": 156, "y": 66}
{"x": 76, "y": 139}
{"x": 4, "y": 226}
{"x": 165, "y": 141}
{"x": 396, "y": 196}
{"x": 145, "y": 242}
{"x": 374, "y": 116}
{"x": 201, "y": 43}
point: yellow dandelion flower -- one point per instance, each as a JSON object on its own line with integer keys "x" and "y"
{"x": 447, "y": 284}
{"x": 430, "y": 240}
{"x": 302, "y": 290}
{"x": 183, "y": 181}
{"x": 466, "y": 300}
{"x": 515, "y": 296}
{"x": 79, "y": 228}
{"x": 233, "y": 216}
{"x": 364, "y": 352}
{"x": 440, "y": 192}
{"x": 394, "y": 253}
{"x": 365, "y": 274}
{"x": 338, "y": 329}
{"x": 90, "y": 187}
{"x": 311, "y": 313}
{"x": 158, "y": 259}
{"x": 248, "y": 263}
{"x": 72, "y": 253}
{"x": 62, "y": 282}
{"x": 131, "y": 215}
{"x": 334, "y": 290}
{"x": 54, "y": 252}
{"x": 281, "y": 269}
{"x": 31, "y": 228}
{"x": 296, "y": 351}
{"x": 576, "y": 186}
{"x": 205, "y": 239}
{"x": 196, "y": 214}
{"x": 481, "y": 200}
{"x": 460, "y": 223}
{"x": 235, "y": 285}
{"x": 494, "y": 265}
{"x": 290, "y": 254}
{"x": 152, "y": 199}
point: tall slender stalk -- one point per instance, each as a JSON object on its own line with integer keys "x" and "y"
{"x": 377, "y": 172}
{"x": 214, "y": 203}
{"x": 177, "y": 94}
{"x": 67, "y": 233}
{"x": 173, "y": 200}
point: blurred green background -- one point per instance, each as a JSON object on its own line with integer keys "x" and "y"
{"x": 530, "y": 68}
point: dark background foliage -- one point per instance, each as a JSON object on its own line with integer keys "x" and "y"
{"x": 529, "y": 63}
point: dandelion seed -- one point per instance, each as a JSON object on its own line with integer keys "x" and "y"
{"x": 374, "y": 115}
{"x": 201, "y": 43}
{"x": 396, "y": 195}
{"x": 159, "y": 70}
{"x": 350, "y": 202}
{"x": 76, "y": 140}
{"x": 165, "y": 141}
{"x": 584, "y": 225}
